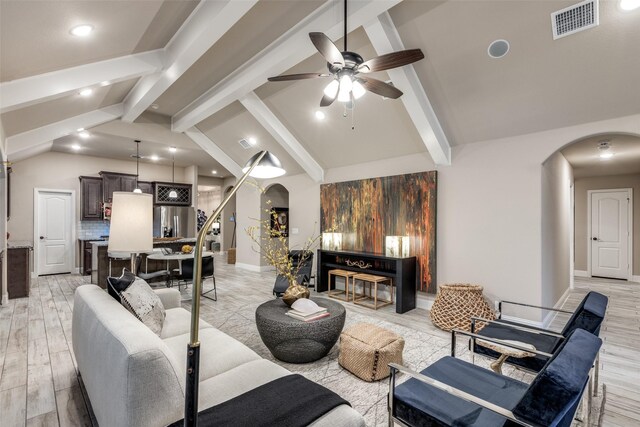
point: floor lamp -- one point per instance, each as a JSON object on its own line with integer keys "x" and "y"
{"x": 262, "y": 165}
{"x": 131, "y": 228}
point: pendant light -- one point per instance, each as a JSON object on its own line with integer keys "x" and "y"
{"x": 173, "y": 194}
{"x": 137, "y": 189}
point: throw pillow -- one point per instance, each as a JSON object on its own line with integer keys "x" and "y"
{"x": 145, "y": 304}
{"x": 115, "y": 285}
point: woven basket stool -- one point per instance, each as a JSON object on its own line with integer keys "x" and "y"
{"x": 455, "y": 304}
{"x": 366, "y": 351}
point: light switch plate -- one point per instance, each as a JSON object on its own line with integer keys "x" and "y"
{"x": 294, "y": 231}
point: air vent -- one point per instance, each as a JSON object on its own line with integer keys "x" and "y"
{"x": 245, "y": 144}
{"x": 573, "y": 19}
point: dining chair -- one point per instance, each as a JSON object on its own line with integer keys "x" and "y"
{"x": 208, "y": 266}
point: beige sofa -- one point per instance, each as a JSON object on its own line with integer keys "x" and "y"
{"x": 135, "y": 378}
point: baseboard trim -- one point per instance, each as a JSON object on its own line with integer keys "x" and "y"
{"x": 581, "y": 273}
{"x": 559, "y": 304}
{"x": 425, "y": 302}
{"x": 635, "y": 279}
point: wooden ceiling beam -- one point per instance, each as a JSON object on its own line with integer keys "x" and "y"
{"x": 44, "y": 87}
{"x": 385, "y": 38}
{"x": 208, "y": 22}
{"x": 282, "y": 135}
{"x": 35, "y": 139}
{"x": 288, "y": 50}
{"x": 204, "y": 142}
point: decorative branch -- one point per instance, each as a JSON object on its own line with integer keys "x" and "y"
{"x": 273, "y": 246}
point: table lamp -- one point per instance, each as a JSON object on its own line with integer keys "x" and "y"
{"x": 131, "y": 229}
{"x": 263, "y": 165}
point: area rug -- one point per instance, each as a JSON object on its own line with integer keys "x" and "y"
{"x": 370, "y": 399}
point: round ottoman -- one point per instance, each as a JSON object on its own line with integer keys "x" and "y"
{"x": 295, "y": 341}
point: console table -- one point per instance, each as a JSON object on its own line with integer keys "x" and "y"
{"x": 401, "y": 270}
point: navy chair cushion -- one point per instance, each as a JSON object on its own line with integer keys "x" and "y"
{"x": 555, "y": 392}
{"x": 419, "y": 404}
{"x": 589, "y": 315}
{"x": 541, "y": 342}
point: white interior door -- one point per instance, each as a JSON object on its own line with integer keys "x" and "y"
{"x": 54, "y": 233}
{"x": 610, "y": 234}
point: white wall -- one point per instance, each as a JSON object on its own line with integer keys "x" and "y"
{"x": 582, "y": 242}
{"x": 56, "y": 170}
{"x": 557, "y": 179}
{"x": 489, "y": 206}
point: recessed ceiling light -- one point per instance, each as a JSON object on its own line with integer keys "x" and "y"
{"x": 84, "y": 134}
{"x": 86, "y": 92}
{"x": 252, "y": 141}
{"x": 498, "y": 49}
{"x": 628, "y": 5}
{"x": 154, "y": 158}
{"x": 82, "y": 30}
{"x": 154, "y": 106}
{"x": 320, "y": 115}
{"x": 173, "y": 149}
{"x": 76, "y": 147}
{"x": 79, "y": 129}
{"x": 214, "y": 171}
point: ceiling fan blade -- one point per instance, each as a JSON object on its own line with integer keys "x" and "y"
{"x": 297, "y": 77}
{"x": 391, "y": 60}
{"x": 379, "y": 87}
{"x": 327, "y": 49}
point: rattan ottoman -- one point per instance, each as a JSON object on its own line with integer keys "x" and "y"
{"x": 366, "y": 351}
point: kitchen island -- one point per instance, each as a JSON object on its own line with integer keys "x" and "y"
{"x": 100, "y": 259}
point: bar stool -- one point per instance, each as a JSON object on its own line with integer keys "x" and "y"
{"x": 372, "y": 280}
{"x": 117, "y": 256}
{"x": 347, "y": 275}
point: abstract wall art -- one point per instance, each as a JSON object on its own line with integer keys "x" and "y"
{"x": 367, "y": 211}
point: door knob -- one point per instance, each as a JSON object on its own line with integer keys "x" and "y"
{"x": 41, "y": 237}
{"x": 594, "y": 238}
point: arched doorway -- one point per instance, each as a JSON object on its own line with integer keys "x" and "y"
{"x": 583, "y": 238}
{"x": 274, "y": 198}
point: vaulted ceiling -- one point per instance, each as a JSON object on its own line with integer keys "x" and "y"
{"x": 193, "y": 75}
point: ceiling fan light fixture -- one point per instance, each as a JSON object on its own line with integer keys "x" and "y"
{"x": 358, "y": 90}
{"x": 344, "y": 94}
{"x": 331, "y": 90}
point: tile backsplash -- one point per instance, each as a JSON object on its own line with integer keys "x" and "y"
{"x": 92, "y": 229}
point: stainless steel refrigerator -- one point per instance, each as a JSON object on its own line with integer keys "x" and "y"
{"x": 174, "y": 221}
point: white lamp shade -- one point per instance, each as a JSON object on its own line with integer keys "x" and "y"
{"x": 397, "y": 246}
{"x": 131, "y": 223}
{"x": 332, "y": 241}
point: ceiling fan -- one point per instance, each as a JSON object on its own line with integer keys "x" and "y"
{"x": 347, "y": 68}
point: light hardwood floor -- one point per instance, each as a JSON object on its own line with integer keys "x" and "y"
{"x": 39, "y": 386}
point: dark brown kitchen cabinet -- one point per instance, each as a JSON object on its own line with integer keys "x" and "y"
{"x": 112, "y": 181}
{"x": 146, "y": 187}
{"x": 91, "y": 198}
{"x": 18, "y": 272}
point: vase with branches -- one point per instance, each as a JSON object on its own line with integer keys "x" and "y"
{"x": 273, "y": 245}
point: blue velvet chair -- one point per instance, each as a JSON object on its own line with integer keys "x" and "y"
{"x": 588, "y": 316}
{"x": 452, "y": 392}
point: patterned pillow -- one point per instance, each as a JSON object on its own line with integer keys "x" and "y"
{"x": 143, "y": 303}
{"x": 115, "y": 285}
